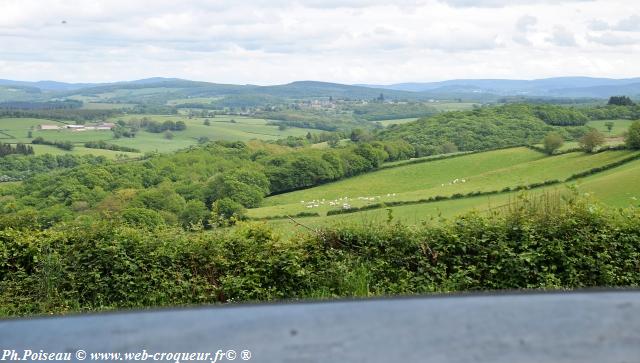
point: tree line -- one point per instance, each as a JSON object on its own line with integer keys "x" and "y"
{"x": 19, "y": 149}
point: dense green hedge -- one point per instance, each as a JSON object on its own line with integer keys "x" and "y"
{"x": 101, "y": 144}
{"x": 107, "y": 265}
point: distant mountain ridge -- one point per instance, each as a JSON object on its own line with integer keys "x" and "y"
{"x": 550, "y": 87}
{"x": 472, "y": 89}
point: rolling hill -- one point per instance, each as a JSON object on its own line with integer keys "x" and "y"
{"x": 159, "y": 90}
{"x": 549, "y": 87}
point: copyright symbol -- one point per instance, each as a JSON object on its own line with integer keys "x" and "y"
{"x": 81, "y": 354}
{"x": 231, "y": 354}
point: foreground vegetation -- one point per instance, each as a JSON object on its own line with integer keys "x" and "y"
{"x": 532, "y": 243}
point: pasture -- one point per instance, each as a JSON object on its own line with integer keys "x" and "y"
{"x": 445, "y": 106}
{"x": 616, "y": 187}
{"x": 81, "y": 150}
{"x": 398, "y": 121}
{"x": 232, "y": 128}
{"x": 619, "y": 127}
{"x": 488, "y": 171}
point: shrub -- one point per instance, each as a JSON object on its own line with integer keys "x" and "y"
{"x": 552, "y": 142}
{"x": 632, "y": 139}
{"x": 591, "y": 141}
{"x": 532, "y": 243}
{"x": 142, "y": 217}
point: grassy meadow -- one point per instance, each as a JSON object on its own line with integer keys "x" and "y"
{"x": 15, "y": 130}
{"x": 616, "y": 187}
{"x": 488, "y": 171}
{"x": 619, "y": 127}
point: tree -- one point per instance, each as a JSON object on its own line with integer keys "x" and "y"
{"x": 246, "y": 187}
{"x": 333, "y": 141}
{"x": 195, "y": 213}
{"x": 180, "y": 125}
{"x": 449, "y": 147}
{"x": 207, "y": 122}
{"x": 552, "y": 142}
{"x": 358, "y": 135}
{"x": 620, "y": 101}
{"x": 591, "y": 141}
{"x": 168, "y": 125}
{"x": 226, "y": 212}
{"x": 168, "y": 135}
{"x": 142, "y": 217}
{"x": 632, "y": 139}
{"x": 609, "y": 125}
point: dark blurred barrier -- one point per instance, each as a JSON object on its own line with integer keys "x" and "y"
{"x": 574, "y": 327}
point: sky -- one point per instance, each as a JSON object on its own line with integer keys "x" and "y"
{"x": 345, "y": 41}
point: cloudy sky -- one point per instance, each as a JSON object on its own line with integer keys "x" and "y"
{"x": 347, "y": 41}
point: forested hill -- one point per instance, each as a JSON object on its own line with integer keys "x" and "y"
{"x": 496, "y": 127}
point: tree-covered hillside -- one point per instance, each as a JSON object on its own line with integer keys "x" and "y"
{"x": 480, "y": 129}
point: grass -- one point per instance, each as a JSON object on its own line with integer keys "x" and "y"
{"x": 182, "y": 101}
{"x": 487, "y": 171}
{"x": 452, "y": 106}
{"x": 106, "y": 106}
{"x": 386, "y": 123}
{"x": 619, "y": 127}
{"x": 80, "y": 150}
{"x": 221, "y": 128}
{"x": 616, "y": 187}
{"x": 15, "y": 130}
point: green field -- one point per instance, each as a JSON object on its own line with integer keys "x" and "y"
{"x": 452, "y": 106}
{"x": 106, "y": 106}
{"x": 221, "y": 128}
{"x": 570, "y": 145}
{"x": 16, "y": 130}
{"x": 81, "y": 150}
{"x": 619, "y": 127}
{"x": 202, "y": 100}
{"x": 488, "y": 171}
{"x": 396, "y": 121}
{"x": 616, "y": 187}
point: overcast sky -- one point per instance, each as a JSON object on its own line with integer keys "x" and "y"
{"x": 346, "y": 41}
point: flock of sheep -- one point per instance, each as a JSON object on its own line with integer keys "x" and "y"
{"x": 344, "y": 201}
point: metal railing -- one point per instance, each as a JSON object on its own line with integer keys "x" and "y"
{"x": 511, "y": 328}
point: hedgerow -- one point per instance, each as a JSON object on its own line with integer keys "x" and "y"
{"x": 103, "y": 265}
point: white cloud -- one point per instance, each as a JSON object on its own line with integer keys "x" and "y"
{"x": 562, "y": 37}
{"x": 525, "y": 23}
{"x": 631, "y": 24}
{"x": 502, "y": 3}
{"x": 599, "y": 25}
{"x": 613, "y": 39}
{"x": 276, "y": 41}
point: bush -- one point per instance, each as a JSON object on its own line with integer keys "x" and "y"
{"x": 142, "y": 217}
{"x": 552, "y": 142}
{"x": 532, "y": 243}
{"x": 632, "y": 139}
{"x": 64, "y": 145}
{"x": 591, "y": 141}
{"x": 227, "y": 211}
